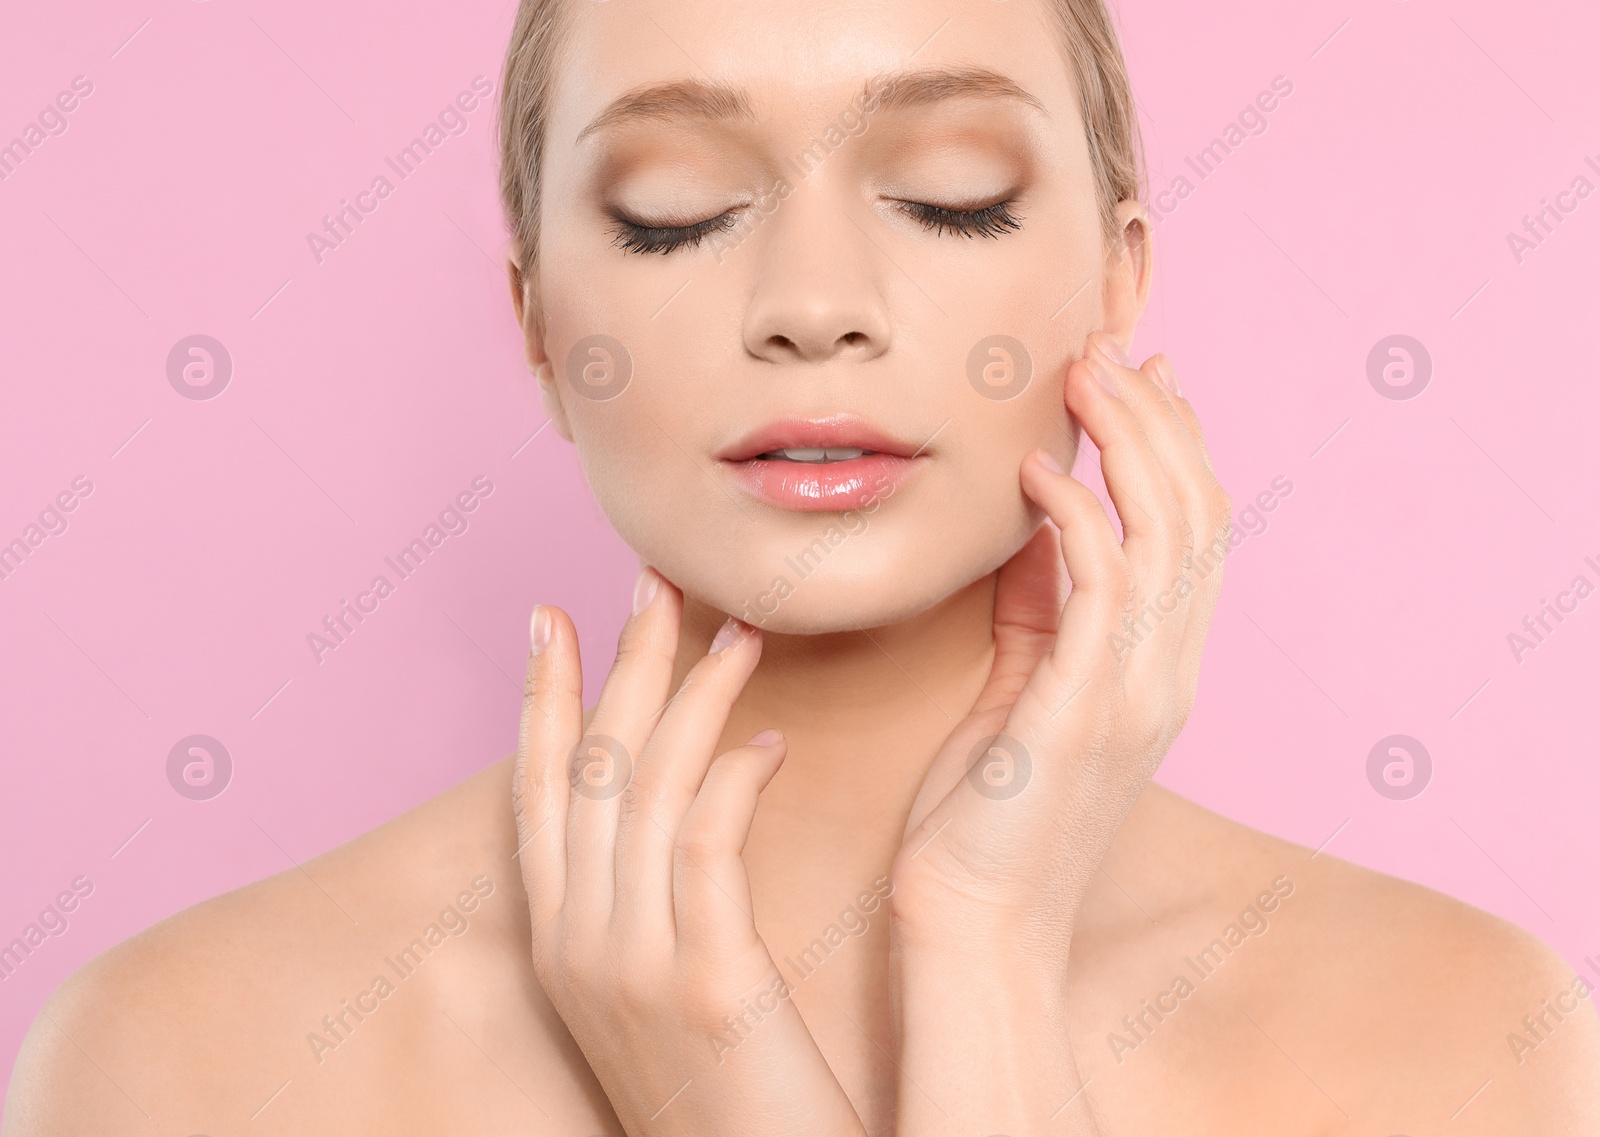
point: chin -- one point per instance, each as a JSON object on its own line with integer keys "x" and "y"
{"x": 839, "y": 579}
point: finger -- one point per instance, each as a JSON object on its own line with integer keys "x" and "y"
{"x": 637, "y": 687}
{"x": 1083, "y": 686}
{"x": 1027, "y": 609}
{"x": 1102, "y": 585}
{"x": 1102, "y": 590}
{"x": 629, "y": 706}
{"x": 552, "y": 719}
{"x": 1165, "y": 604}
{"x": 1138, "y": 485}
{"x": 1212, "y": 540}
{"x": 1174, "y": 445}
{"x": 1174, "y": 432}
{"x": 710, "y": 886}
{"x": 1213, "y": 532}
{"x": 1079, "y": 665}
{"x": 671, "y": 769}
{"x": 1168, "y": 376}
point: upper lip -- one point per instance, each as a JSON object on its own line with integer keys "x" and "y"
{"x": 836, "y": 432}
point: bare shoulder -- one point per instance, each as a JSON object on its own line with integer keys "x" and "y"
{"x": 1387, "y": 1004}
{"x": 272, "y": 1001}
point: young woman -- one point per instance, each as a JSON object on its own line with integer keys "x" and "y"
{"x": 859, "y": 836}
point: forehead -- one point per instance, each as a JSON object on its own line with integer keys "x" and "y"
{"x": 798, "y": 58}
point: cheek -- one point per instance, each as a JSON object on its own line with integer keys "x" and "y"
{"x": 980, "y": 484}
{"x": 645, "y": 446}
{"x": 990, "y": 439}
{"x": 644, "y": 482}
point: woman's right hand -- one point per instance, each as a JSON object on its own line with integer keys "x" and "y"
{"x": 631, "y": 841}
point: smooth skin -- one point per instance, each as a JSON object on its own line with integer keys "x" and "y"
{"x": 599, "y": 977}
{"x": 642, "y": 929}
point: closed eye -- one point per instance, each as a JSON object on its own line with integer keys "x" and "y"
{"x": 989, "y": 221}
{"x": 632, "y": 237}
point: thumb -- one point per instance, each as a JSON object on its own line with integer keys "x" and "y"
{"x": 1027, "y": 611}
{"x": 711, "y": 889}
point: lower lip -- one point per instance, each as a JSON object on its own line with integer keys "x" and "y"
{"x": 823, "y": 486}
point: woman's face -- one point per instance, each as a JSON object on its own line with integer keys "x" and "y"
{"x": 809, "y": 278}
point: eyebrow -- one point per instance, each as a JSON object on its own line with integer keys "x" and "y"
{"x": 718, "y": 102}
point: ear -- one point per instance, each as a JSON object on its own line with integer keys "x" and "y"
{"x": 1129, "y": 269}
{"x": 530, "y": 318}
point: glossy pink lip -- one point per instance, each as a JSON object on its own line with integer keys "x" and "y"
{"x": 820, "y": 487}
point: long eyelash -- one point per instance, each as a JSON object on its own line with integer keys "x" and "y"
{"x": 663, "y": 239}
{"x": 990, "y": 221}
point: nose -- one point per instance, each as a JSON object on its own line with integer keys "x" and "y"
{"x": 818, "y": 295}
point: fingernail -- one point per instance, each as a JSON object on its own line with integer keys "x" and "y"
{"x": 1102, "y": 372}
{"x": 726, "y": 636}
{"x": 1113, "y": 349}
{"x": 1169, "y": 377}
{"x": 644, "y": 590}
{"x": 1048, "y": 461}
{"x": 766, "y": 738}
{"x": 539, "y": 628}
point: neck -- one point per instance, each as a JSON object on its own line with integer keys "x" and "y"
{"x": 863, "y": 713}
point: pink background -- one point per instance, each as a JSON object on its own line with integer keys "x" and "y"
{"x": 369, "y": 390}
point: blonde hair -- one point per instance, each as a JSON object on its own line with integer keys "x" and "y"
{"x": 1104, "y": 95}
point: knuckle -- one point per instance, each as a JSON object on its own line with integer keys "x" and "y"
{"x": 698, "y": 846}
{"x": 1182, "y": 709}
{"x": 702, "y": 991}
{"x": 635, "y": 799}
{"x": 531, "y": 791}
{"x": 585, "y": 964}
{"x": 1185, "y": 543}
{"x": 1221, "y": 504}
{"x": 695, "y": 679}
{"x": 567, "y": 965}
{"x": 1150, "y": 731}
{"x": 633, "y": 646}
{"x": 1221, "y": 540}
{"x": 1124, "y": 589}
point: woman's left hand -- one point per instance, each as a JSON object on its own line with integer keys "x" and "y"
{"x": 1083, "y": 700}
